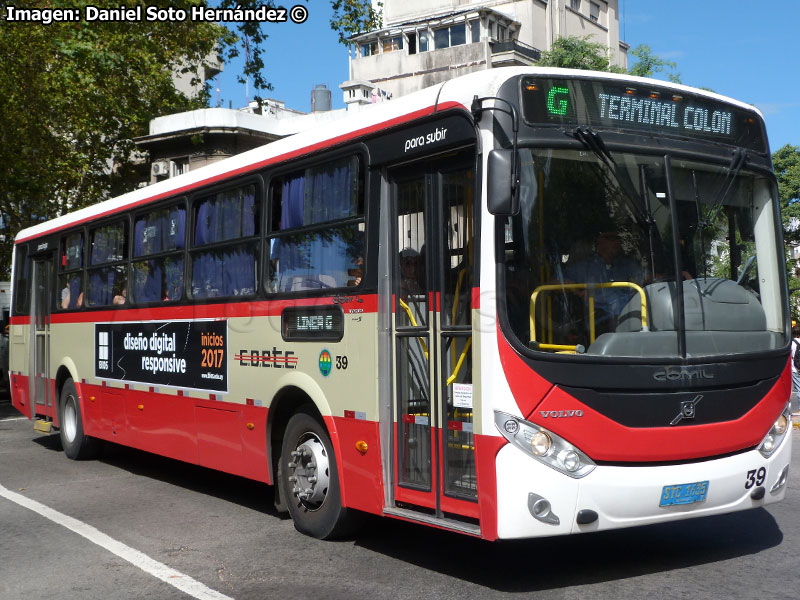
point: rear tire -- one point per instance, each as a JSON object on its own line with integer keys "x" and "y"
{"x": 309, "y": 480}
{"x": 77, "y": 445}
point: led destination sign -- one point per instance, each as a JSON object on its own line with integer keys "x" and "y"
{"x": 312, "y": 323}
{"x": 607, "y": 104}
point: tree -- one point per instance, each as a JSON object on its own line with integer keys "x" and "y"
{"x": 648, "y": 64}
{"x": 573, "y": 52}
{"x": 77, "y": 93}
{"x": 786, "y": 162}
{"x": 355, "y": 16}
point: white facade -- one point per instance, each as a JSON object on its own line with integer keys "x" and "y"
{"x": 424, "y": 42}
{"x": 173, "y": 139}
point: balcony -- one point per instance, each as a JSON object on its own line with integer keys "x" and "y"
{"x": 510, "y": 53}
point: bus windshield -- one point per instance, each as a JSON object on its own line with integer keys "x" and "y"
{"x": 599, "y": 253}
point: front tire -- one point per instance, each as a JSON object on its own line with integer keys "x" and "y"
{"x": 309, "y": 480}
{"x": 77, "y": 445}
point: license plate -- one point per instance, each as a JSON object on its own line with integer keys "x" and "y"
{"x": 684, "y": 493}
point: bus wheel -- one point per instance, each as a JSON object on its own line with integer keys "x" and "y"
{"x": 77, "y": 445}
{"x": 309, "y": 480}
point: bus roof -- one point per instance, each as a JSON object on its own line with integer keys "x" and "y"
{"x": 454, "y": 93}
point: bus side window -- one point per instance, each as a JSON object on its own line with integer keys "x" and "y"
{"x": 316, "y": 237}
{"x": 71, "y": 277}
{"x": 108, "y": 272}
{"x": 22, "y": 281}
{"x": 229, "y": 221}
{"x": 158, "y": 246}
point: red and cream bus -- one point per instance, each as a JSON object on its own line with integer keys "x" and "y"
{"x": 525, "y": 302}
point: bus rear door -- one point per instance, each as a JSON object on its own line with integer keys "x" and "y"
{"x": 42, "y": 388}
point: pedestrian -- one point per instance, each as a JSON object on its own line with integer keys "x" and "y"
{"x": 795, "y": 360}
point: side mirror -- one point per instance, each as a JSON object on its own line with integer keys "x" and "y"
{"x": 502, "y": 189}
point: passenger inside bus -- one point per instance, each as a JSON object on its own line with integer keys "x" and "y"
{"x": 607, "y": 264}
{"x": 356, "y": 273}
{"x": 122, "y": 296}
{"x": 72, "y": 295}
{"x": 409, "y": 268}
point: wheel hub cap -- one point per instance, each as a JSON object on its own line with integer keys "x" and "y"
{"x": 308, "y": 472}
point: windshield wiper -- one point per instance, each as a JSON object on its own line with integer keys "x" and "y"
{"x": 737, "y": 162}
{"x": 746, "y": 269}
{"x": 592, "y": 140}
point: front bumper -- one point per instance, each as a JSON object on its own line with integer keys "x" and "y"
{"x": 612, "y": 497}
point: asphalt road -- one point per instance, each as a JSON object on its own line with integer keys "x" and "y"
{"x": 218, "y": 537}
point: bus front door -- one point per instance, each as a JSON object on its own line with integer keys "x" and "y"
{"x": 42, "y": 389}
{"x": 432, "y": 273}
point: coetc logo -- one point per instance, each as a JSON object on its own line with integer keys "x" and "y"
{"x": 325, "y": 363}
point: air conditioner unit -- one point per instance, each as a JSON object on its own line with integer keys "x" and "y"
{"x": 160, "y": 168}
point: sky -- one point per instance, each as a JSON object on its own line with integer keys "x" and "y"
{"x": 738, "y": 48}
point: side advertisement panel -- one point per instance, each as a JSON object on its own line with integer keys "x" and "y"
{"x": 184, "y": 354}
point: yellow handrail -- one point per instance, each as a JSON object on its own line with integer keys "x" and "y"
{"x": 454, "y": 374}
{"x": 414, "y": 324}
{"x": 461, "y": 274}
{"x": 590, "y": 287}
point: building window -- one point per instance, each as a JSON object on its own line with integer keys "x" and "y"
{"x": 423, "y": 40}
{"x": 180, "y": 166}
{"x": 369, "y": 49}
{"x": 594, "y": 12}
{"x": 393, "y": 44}
{"x": 475, "y": 30}
{"x": 412, "y": 43}
{"x": 575, "y": 4}
{"x": 501, "y": 33}
{"x": 455, "y": 35}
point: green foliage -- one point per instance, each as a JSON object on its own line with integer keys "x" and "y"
{"x": 573, "y": 52}
{"x": 786, "y": 162}
{"x": 76, "y": 94}
{"x": 355, "y": 16}
{"x": 648, "y": 64}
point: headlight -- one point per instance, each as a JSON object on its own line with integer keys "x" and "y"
{"x": 776, "y": 433}
{"x": 543, "y": 445}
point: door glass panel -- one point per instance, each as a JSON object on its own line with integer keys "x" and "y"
{"x": 42, "y": 296}
{"x": 456, "y": 191}
{"x": 414, "y": 403}
{"x": 42, "y": 277}
{"x": 459, "y": 451}
{"x": 412, "y": 289}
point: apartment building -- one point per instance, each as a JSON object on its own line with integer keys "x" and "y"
{"x": 424, "y": 42}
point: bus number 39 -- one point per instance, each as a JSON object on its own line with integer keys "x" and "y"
{"x": 755, "y": 478}
{"x": 212, "y": 358}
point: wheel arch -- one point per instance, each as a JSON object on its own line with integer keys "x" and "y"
{"x": 299, "y": 391}
{"x": 66, "y": 370}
